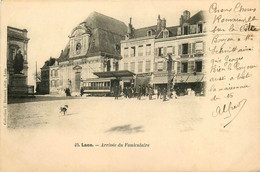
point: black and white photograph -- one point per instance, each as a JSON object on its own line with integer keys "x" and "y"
{"x": 129, "y": 86}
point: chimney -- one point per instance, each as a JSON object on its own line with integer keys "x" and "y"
{"x": 159, "y": 23}
{"x": 186, "y": 15}
{"x": 163, "y": 23}
{"x": 130, "y": 27}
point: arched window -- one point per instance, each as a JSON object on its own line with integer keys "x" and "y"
{"x": 149, "y": 33}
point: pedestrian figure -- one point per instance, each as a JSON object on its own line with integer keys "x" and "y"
{"x": 81, "y": 91}
{"x": 139, "y": 92}
{"x": 147, "y": 88}
{"x": 158, "y": 92}
{"x": 116, "y": 92}
{"x": 150, "y": 92}
{"x": 67, "y": 91}
{"x": 164, "y": 94}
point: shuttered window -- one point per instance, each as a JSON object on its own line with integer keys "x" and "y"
{"x": 164, "y": 51}
{"x": 160, "y": 66}
{"x": 140, "y": 50}
{"x": 132, "y": 66}
{"x": 140, "y": 66}
{"x": 148, "y": 49}
{"x": 191, "y": 66}
{"x": 147, "y": 66}
{"x": 126, "y": 52}
{"x": 178, "y": 67}
{"x": 179, "y": 49}
{"x": 125, "y": 66}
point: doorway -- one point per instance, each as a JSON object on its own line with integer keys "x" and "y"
{"x": 77, "y": 81}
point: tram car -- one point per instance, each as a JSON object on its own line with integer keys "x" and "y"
{"x": 99, "y": 86}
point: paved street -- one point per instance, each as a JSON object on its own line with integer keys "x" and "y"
{"x": 105, "y": 113}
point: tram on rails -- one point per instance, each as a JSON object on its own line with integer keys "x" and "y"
{"x": 105, "y": 83}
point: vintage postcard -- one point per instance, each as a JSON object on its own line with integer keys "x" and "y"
{"x": 130, "y": 86}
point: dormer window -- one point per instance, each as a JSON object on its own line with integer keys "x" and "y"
{"x": 165, "y": 34}
{"x": 149, "y": 33}
{"x": 127, "y": 36}
{"x": 185, "y": 30}
{"x": 200, "y": 28}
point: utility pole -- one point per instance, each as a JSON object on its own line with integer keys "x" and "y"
{"x": 169, "y": 69}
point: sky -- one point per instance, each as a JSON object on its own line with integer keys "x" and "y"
{"x": 49, "y": 23}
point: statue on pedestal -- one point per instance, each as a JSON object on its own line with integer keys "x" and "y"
{"x": 18, "y": 63}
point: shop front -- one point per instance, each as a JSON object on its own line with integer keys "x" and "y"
{"x": 161, "y": 80}
{"x": 190, "y": 84}
{"x": 143, "y": 79}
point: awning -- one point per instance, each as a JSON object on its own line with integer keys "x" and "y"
{"x": 99, "y": 79}
{"x": 121, "y": 73}
{"x": 189, "y": 78}
{"x": 160, "y": 80}
{"x": 126, "y": 79}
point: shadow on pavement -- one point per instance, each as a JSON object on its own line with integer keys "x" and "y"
{"x": 126, "y": 129}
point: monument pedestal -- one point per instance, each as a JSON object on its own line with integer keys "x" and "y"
{"x": 18, "y": 86}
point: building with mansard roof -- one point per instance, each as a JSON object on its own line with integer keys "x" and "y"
{"x": 146, "y": 51}
{"x": 93, "y": 46}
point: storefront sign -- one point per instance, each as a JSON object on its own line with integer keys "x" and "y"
{"x": 144, "y": 74}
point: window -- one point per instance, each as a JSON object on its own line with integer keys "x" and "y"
{"x": 185, "y": 30}
{"x": 140, "y": 66}
{"x": 200, "y": 26}
{"x": 149, "y": 33}
{"x": 184, "y": 48}
{"x": 193, "y": 29}
{"x": 126, "y": 51}
{"x": 148, "y": 66}
{"x": 125, "y": 66}
{"x": 132, "y": 66}
{"x": 160, "y": 66}
{"x": 57, "y": 83}
{"x": 199, "y": 47}
{"x": 140, "y": 50}
{"x": 56, "y": 73}
{"x": 148, "y": 49}
{"x": 132, "y": 52}
{"x": 53, "y": 83}
{"x": 160, "y": 51}
{"x": 170, "y": 50}
{"x": 184, "y": 67}
{"x": 198, "y": 66}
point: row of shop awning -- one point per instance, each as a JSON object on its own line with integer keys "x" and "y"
{"x": 117, "y": 74}
{"x": 179, "y": 79}
{"x": 127, "y": 76}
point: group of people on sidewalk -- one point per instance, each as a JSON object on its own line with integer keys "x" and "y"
{"x": 140, "y": 91}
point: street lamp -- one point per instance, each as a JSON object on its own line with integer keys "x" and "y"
{"x": 169, "y": 69}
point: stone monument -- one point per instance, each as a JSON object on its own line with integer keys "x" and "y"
{"x": 18, "y": 85}
{"x": 17, "y": 64}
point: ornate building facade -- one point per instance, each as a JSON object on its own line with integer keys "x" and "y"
{"x": 94, "y": 46}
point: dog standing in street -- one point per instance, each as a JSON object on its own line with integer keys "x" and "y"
{"x": 64, "y": 109}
